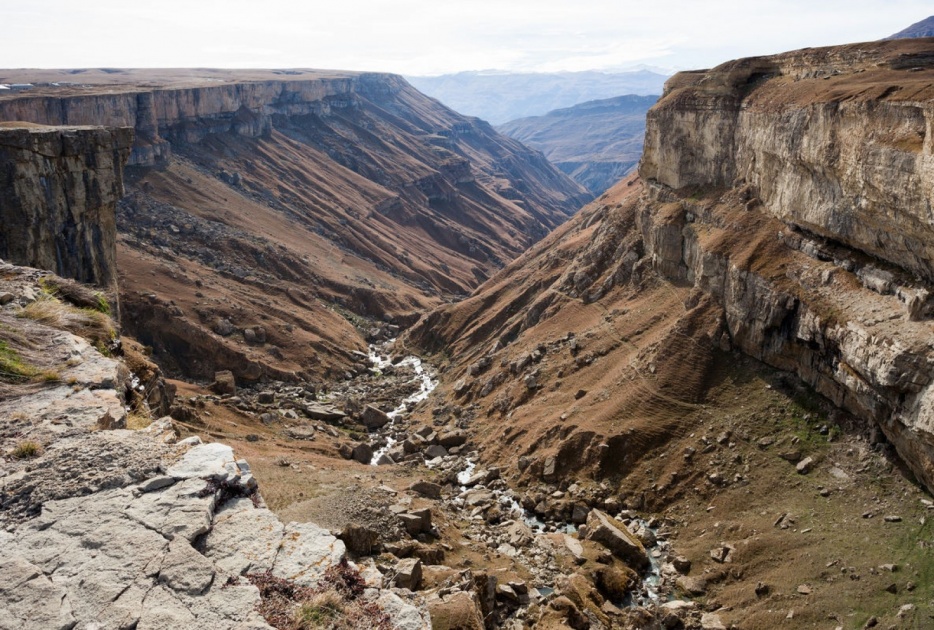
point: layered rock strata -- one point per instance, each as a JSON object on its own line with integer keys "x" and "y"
{"x": 834, "y": 144}
{"x": 785, "y": 204}
{"x": 59, "y": 188}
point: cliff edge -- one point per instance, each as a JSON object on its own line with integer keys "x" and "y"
{"x": 59, "y": 188}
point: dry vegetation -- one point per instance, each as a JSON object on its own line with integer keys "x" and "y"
{"x": 336, "y": 603}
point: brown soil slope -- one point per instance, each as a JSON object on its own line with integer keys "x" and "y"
{"x": 780, "y": 216}
{"x": 294, "y": 200}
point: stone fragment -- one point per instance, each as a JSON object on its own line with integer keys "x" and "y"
{"x": 617, "y": 538}
{"x": 692, "y": 586}
{"x": 804, "y": 466}
{"x": 722, "y": 553}
{"x": 408, "y": 573}
{"x": 549, "y": 469}
{"x": 374, "y": 418}
{"x": 224, "y": 383}
{"x": 681, "y": 564}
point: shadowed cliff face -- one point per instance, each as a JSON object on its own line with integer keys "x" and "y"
{"x": 58, "y": 193}
{"x": 299, "y": 203}
{"x": 783, "y": 210}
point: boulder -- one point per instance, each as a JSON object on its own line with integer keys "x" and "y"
{"x": 224, "y": 383}
{"x": 359, "y": 539}
{"x": 363, "y": 453}
{"x": 408, "y": 573}
{"x": 374, "y": 418}
{"x": 435, "y": 450}
{"x": 450, "y": 439}
{"x": 617, "y": 538}
{"x": 426, "y": 489}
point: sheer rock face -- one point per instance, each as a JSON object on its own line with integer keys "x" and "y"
{"x": 835, "y": 144}
{"x": 790, "y": 215}
{"x": 58, "y": 193}
{"x": 254, "y": 192}
{"x": 835, "y": 141}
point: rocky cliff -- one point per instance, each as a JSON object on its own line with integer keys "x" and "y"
{"x": 835, "y": 145}
{"x": 59, "y": 188}
{"x": 110, "y": 523}
{"x": 251, "y": 192}
{"x": 795, "y": 193}
{"x": 757, "y": 295}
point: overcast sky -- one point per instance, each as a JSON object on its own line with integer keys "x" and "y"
{"x": 419, "y": 37}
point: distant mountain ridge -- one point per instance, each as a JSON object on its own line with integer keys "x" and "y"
{"x": 924, "y": 28}
{"x": 596, "y": 143}
{"x": 501, "y": 97}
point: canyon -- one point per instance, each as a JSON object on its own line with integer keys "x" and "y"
{"x": 701, "y": 401}
{"x": 265, "y": 211}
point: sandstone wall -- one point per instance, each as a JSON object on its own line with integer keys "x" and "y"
{"x": 835, "y": 141}
{"x": 836, "y": 145}
{"x": 162, "y": 115}
{"x": 58, "y": 193}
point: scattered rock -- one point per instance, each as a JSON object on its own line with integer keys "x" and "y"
{"x": 224, "y": 383}
{"x": 804, "y": 466}
{"x": 408, "y": 573}
{"x": 617, "y": 538}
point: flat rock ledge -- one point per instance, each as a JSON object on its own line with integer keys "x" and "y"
{"x": 164, "y": 553}
{"x": 106, "y": 528}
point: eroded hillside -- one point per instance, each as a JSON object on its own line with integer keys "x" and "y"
{"x": 296, "y": 204}
{"x": 773, "y": 249}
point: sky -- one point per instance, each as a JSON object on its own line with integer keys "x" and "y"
{"x": 427, "y": 37}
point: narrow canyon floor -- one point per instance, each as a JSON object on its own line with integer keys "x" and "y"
{"x": 788, "y": 515}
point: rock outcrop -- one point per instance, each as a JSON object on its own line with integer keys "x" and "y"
{"x": 834, "y": 144}
{"x": 785, "y": 206}
{"x": 59, "y": 188}
{"x": 107, "y": 527}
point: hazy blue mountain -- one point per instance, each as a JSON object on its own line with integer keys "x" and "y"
{"x": 596, "y": 143}
{"x": 498, "y": 97}
{"x": 924, "y": 28}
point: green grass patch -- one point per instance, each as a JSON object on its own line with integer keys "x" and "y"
{"x": 13, "y": 366}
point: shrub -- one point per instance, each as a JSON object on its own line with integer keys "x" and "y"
{"x": 26, "y": 450}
